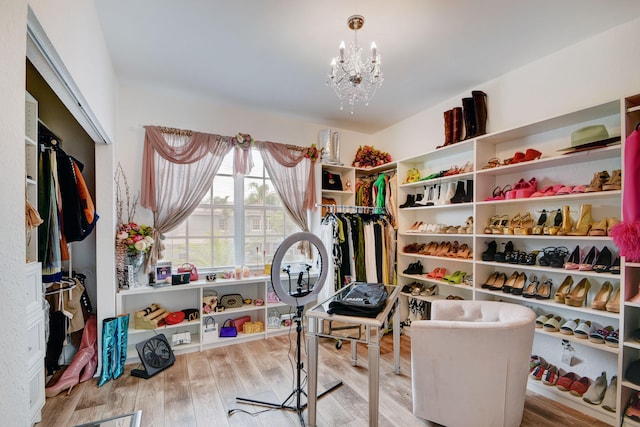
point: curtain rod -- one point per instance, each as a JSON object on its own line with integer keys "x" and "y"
{"x": 187, "y": 132}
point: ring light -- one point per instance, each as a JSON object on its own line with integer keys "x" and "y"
{"x": 297, "y": 297}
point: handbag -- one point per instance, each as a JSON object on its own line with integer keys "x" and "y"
{"x": 231, "y": 301}
{"x": 331, "y": 181}
{"x": 228, "y": 331}
{"x": 189, "y": 268}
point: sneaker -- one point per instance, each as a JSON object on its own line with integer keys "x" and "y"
{"x": 633, "y": 410}
{"x": 596, "y": 392}
{"x": 611, "y": 396}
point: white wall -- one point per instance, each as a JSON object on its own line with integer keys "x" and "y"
{"x": 14, "y": 395}
{"x": 593, "y": 71}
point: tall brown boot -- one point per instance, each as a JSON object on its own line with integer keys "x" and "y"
{"x": 480, "y": 106}
{"x": 457, "y": 124}
{"x": 566, "y": 221}
{"x": 584, "y": 222}
{"x": 448, "y": 128}
{"x": 469, "y": 114}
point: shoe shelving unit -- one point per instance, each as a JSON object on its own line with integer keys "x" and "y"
{"x": 33, "y": 272}
{"x": 550, "y": 137}
{"x": 180, "y": 297}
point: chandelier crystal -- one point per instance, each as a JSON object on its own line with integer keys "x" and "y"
{"x": 352, "y": 78}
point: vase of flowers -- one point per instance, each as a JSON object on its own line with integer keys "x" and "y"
{"x": 133, "y": 242}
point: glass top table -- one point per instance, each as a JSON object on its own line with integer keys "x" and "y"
{"x": 321, "y": 324}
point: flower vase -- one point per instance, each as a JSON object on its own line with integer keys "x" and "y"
{"x": 121, "y": 260}
{"x": 132, "y": 268}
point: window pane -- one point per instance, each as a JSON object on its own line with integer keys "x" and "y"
{"x": 226, "y": 168}
{"x": 223, "y": 222}
{"x": 254, "y": 190}
{"x": 223, "y": 190}
{"x": 258, "y": 165}
{"x": 200, "y": 252}
{"x": 199, "y": 222}
{"x": 175, "y": 250}
{"x": 223, "y": 252}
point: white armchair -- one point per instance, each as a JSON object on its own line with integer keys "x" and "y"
{"x": 469, "y": 363}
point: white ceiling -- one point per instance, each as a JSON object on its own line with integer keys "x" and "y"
{"x": 274, "y": 55}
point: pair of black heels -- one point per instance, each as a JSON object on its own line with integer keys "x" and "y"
{"x": 414, "y": 268}
{"x": 554, "y": 257}
{"x": 600, "y": 261}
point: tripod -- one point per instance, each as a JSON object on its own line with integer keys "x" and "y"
{"x": 298, "y": 391}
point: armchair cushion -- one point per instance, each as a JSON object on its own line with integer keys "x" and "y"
{"x": 470, "y": 363}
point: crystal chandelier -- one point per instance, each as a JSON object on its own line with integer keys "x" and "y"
{"x": 352, "y": 78}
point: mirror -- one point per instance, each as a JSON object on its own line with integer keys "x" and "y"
{"x": 299, "y": 269}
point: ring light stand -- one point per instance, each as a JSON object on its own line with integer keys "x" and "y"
{"x": 297, "y": 296}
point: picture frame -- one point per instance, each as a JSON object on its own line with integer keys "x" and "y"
{"x": 162, "y": 270}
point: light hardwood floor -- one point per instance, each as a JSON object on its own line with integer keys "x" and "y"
{"x": 201, "y": 388}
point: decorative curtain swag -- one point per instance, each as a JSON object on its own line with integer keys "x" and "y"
{"x": 178, "y": 167}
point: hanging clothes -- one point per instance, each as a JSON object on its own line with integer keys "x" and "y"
{"x": 366, "y": 247}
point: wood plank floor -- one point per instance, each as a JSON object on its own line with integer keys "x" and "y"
{"x": 201, "y": 388}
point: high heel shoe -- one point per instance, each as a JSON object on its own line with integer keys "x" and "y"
{"x": 514, "y": 223}
{"x": 506, "y": 288}
{"x": 614, "y": 182}
{"x": 491, "y": 280}
{"x": 532, "y": 288}
{"x": 557, "y": 220}
{"x": 578, "y": 295}
{"x": 499, "y": 283}
{"x": 599, "y": 178}
{"x": 584, "y": 222}
{"x": 567, "y": 222}
{"x": 544, "y": 290}
{"x": 490, "y": 253}
{"x": 589, "y": 259}
{"x": 603, "y": 261}
{"x": 602, "y": 297}
{"x": 525, "y": 226}
{"x": 518, "y": 287}
{"x": 613, "y": 305}
{"x": 539, "y": 227}
{"x": 82, "y": 360}
{"x": 530, "y": 154}
{"x": 563, "y": 290}
{"x": 573, "y": 262}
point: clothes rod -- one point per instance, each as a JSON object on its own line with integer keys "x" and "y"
{"x": 353, "y": 208}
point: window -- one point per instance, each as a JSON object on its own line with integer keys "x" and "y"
{"x": 240, "y": 221}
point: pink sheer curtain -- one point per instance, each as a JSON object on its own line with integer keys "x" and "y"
{"x": 177, "y": 171}
{"x": 178, "y": 168}
{"x": 295, "y": 182}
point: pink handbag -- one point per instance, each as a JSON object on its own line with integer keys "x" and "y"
{"x": 189, "y": 268}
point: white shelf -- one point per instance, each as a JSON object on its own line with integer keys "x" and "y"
{"x": 554, "y": 166}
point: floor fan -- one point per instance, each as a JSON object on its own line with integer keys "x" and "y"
{"x": 155, "y": 354}
{"x": 297, "y": 294}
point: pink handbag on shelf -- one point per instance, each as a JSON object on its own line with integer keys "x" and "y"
{"x": 189, "y": 268}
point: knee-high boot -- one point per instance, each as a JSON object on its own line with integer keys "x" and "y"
{"x": 469, "y": 115}
{"x": 109, "y": 327}
{"x": 480, "y": 106}
{"x": 79, "y": 366}
{"x": 457, "y": 124}
{"x": 120, "y": 358}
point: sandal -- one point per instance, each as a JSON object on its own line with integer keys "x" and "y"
{"x": 492, "y": 163}
{"x": 553, "y": 324}
{"x": 614, "y": 182}
{"x": 584, "y": 330}
{"x": 599, "y": 335}
{"x": 569, "y": 326}
{"x": 612, "y": 339}
{"x": 542, "y": 319}
{"x": 542, "y": 220}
